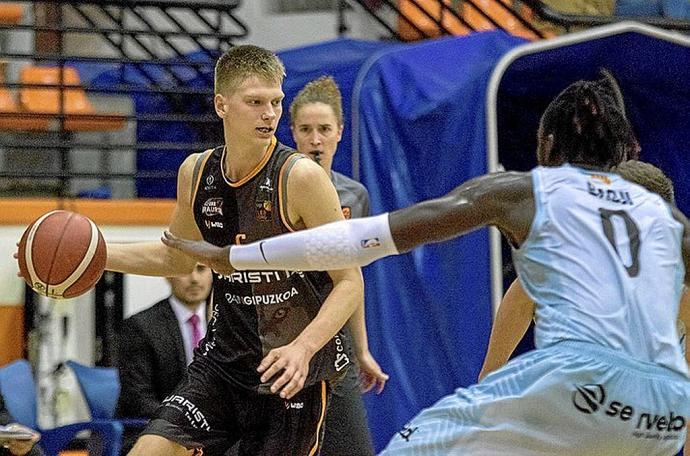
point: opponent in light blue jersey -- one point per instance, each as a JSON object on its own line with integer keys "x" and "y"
{"x": 517, "y": 309}
{"x": 596, "y": 244}
{"x": 579, "y": 393}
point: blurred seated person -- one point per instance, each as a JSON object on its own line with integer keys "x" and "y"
{"x": 649, "y": 8}
{"x": 582, "y": 7}
{"x": 574, "y": 8}
{"x": 676, "y": 9}
{"x": 670, "y": 9}
{"x": 17, "y": 447}
{"x": 157, "y": 344}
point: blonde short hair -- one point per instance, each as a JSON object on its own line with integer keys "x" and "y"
{"x": 242, "y": 62}
{"x": 322, "y": 90}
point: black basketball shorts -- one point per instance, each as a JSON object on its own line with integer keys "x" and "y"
{"x": 208, "y": 413}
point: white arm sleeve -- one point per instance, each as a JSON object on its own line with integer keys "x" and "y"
{"x": 337, "y": 245}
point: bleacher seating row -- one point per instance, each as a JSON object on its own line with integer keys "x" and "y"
{"x": 426, "y": 16}
{"x": 35, "y": 108}
{"x": 44, "y": 94}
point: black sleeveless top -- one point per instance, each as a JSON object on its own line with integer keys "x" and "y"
{"x": 256, "y": 311}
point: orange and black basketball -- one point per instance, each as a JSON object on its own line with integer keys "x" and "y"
{"x": 62, "y": 254}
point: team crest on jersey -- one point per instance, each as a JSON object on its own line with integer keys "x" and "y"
{"x": 347, "y": 212}
{"x": 263, "y": 210}
{"x": 212, "y": 207}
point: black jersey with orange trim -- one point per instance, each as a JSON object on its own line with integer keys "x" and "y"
{"x": 256, "y": 311}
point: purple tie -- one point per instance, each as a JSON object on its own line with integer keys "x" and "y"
{"x": 196, "y": 330}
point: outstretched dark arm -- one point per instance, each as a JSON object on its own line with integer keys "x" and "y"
{"x": 504, "y": 200}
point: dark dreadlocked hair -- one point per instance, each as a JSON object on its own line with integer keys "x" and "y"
{"x": 647, "y": 176}
{"x": 589, "y": 125}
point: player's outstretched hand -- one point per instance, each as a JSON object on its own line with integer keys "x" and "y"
{"x": 216, "y": 258}
{"x": 293, "y": 361}
{"x": 370, "y": 373}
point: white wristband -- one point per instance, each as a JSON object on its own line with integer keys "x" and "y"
{"x": 338, "y": 245}
{"x": 249, "y": 256}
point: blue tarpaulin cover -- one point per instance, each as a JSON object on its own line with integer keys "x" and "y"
{"x": 421, "y": 133}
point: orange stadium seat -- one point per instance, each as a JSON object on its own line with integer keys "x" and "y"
{"x": 79, "y": 112}
{"x": 414, "y": 14}
{"x": 10, "y": 13}
{"x": 12, "y": 119}
{"x": 414, "y": 11}
{"x": 499, "y": 14}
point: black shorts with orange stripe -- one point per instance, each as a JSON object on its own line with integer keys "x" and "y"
{"x": 207, "y": 413}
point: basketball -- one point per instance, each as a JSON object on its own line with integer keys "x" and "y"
{"x": 62, "y": 255}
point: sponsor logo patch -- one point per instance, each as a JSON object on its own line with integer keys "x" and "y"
{"x": 592, "y": 399}
{"x": 209, "y": 224}
{"x": 212, "y": 207}
{"x": 341, "y": 358}
{"x": 265, "y": 299}
{"x": 294, "y": 405}
{"x": 370, "y": 243}
{"x": 194, "y": 416}
{"x": 210, "y": 183}
{"x": 406, "y": 432}
{"x": 588, "y": 398}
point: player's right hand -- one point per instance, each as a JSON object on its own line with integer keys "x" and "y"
{"x": 216, "y": 258}
{"x": 286, "y": 368}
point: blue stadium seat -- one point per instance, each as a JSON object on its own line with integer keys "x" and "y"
{"x": 101, "y": 388}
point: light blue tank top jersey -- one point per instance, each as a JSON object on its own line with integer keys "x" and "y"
{"x": 603, "y": 263}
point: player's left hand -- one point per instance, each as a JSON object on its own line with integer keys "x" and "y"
{"x": 293, "y": 361}
{"x": 370, "y": 373}
{"x": 216, "y": 258}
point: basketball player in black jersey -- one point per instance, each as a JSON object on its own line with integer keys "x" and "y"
{"x": 248, "y": 189}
